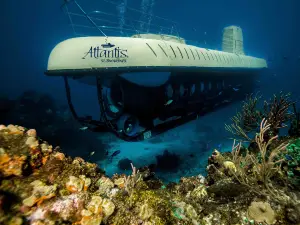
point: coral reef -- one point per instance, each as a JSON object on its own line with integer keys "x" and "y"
{"x": 41, "y": 185}
{"x": 277, "y": 111}
{"x": 54, "y": 123}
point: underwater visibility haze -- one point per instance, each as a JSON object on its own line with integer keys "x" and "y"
{"x": 150, "y": 112}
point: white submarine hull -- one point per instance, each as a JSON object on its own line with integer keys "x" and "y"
{"x": 149, "y": 77}
{"x": 94, "y": 55}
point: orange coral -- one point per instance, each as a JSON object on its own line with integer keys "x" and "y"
{"x": 16, "y": 132}
{"x": 71, "y": 188}
{"x": 40, "y": 200}
{"x": 45, "y": 159}
{"x": 12, "y": 165}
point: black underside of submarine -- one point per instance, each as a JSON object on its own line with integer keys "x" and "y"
{"x": 189, "y": 92}
{"x": 186, "y": 96}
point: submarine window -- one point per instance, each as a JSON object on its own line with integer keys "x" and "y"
{"x": 183, "y": 91}
{"x": 187, "y": 53}
{"x": 180, "y": 52}
{"x": 197, "y": 54}
{"x": 192, "y": 90}
{"x": 192, "y": 54}
{"x": 169, "y": 91}
{"x": 163, "y": 50}
{"x": 173, "y": 51}
{"x": 202, "y": 86}
{"x": 220, "y": 85}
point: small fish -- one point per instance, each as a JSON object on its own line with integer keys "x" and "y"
{"x": 220, "y": 92}
{"x": 115, "y": 153}
{"x": 235, "y": 89}
{"x": 169, "y": 102}
{"x": 92, "y": 153}
{"x": 288, "y": 157}
{"x": 83, "y": 128}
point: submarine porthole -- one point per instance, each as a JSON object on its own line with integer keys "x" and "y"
{"x": 128, "y": 125}
{"x": 202, "y": 86}
{"x": 192, "y": 90}
{"x": 181, "y": 90}
{"x": 169, "y": 91}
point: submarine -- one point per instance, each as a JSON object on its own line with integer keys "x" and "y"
{"x": 148, "y": 83}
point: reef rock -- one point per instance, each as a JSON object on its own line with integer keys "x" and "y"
{"x": 42, "y": 185}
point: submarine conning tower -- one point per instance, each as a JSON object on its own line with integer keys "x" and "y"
{"x": 233, "y": 40}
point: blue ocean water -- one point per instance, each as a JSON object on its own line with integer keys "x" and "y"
{"x": 31, "y": 29}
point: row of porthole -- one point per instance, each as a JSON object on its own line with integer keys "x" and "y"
{"x": 183, "y": 91}
{"x": 213, "y": 55}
